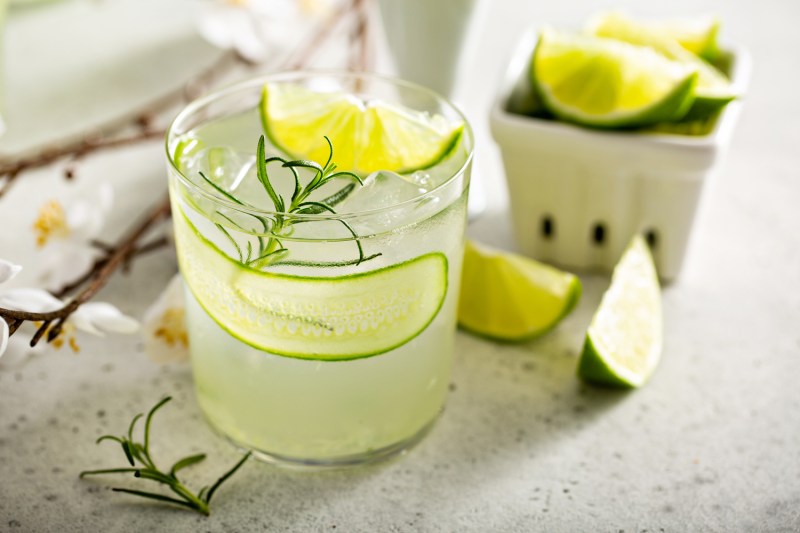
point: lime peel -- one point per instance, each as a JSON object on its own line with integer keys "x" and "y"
{"x": 511, "y": 298}
{"x": 608, "y": 83}
{"x": 713, "y": 89}
{"x": 623, "y": 343}
{"x": 370, "y": 135}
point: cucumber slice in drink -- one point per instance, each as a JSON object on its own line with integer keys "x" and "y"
{"x": 320, "y": 318}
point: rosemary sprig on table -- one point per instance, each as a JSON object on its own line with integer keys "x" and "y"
{"x": 136, "y": 452}
{"x": 270, "y": 250}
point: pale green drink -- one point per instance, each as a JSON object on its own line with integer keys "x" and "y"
{"x": 316, "y": 358}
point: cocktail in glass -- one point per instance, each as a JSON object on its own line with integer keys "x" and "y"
{"x": 321, "y": 329}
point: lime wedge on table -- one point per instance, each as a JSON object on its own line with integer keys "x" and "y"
{"x": 366, "y": 135}
{"x": 322, "y": 318}
{"x": 509, "y": 297}
{"x": 623, "y": 344}
{"x": 713, "y": 90}
{"x": 697, "y": 35}
{"x": 608, "y": 83}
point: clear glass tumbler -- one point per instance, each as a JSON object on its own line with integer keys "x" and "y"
{"x": 319, "y": 336}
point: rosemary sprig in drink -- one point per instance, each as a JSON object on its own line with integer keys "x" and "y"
{"x": 136, "y": 452}
{"x": 270, "y": 249}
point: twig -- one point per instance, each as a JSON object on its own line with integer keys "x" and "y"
{"x": 98, "y": 277}
{"x": 11, "y": 170}
{"x": 108, "y": 250}
{"x": 103, "y": 136}
{"x": 320, "y": 35}
{"x": 120, "y": 254}
{"x": 359, "y": 37}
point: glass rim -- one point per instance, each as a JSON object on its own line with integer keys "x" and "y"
{"x": 256, "y": 82}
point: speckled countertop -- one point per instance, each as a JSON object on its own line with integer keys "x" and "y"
{"x": 712, "y": 443}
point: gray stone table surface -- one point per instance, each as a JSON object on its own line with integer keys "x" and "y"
{"x": 712, "y": 443}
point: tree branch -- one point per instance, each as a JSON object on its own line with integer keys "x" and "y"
{"x": 118, "y": 255}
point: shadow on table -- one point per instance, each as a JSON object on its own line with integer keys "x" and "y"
{"x": 509, "y": 404}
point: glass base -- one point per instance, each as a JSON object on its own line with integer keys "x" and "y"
{"x": 345, "y": 461}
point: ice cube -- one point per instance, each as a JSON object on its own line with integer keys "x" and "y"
{"x": 222, "y": 165}
{"x": 235, "y": 173}
{"x": 381, "y": 189}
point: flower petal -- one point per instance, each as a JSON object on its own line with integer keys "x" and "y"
{"x": 171, "y": 297}
{"x": 239, "y": 27}
{"x": 31, "y": 300}
{"x": 105, "y": 198}
{"x": 19, "y": 351}
{"x": 8, "y": 270}
{"x": 217, "y": 25}
{"x": 98, "y": 317}
{"x": 3, "y": 336}
{"x": 165, "y": 336}
{"x": 64, "y": 261}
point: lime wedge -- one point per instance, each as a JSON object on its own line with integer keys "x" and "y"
{"x": 623, "y": 343}
{"x": 367, "y": 135}
{"x": 509, "y": 297}
{"x": 609, "y": 83}
{"x": 713, "y": 90}
{"x": 697, "y": 35}
{"x": 321, "y": 318}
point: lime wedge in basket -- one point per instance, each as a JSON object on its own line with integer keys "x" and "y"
{"x": 623, "y": 343}
{"x": 609, "y": 83}
{"x": 509, "y": 297}
{"x": 321, "y": 318}
{"x": 369, "y": 135}
{"x": 697, "y": 35}
{"x": 713, "y": 90}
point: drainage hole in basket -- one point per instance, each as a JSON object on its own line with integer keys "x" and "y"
{"x": 652, "y": 238}
{"x": 599, "y": 233}
{"x": 548, "y": 227}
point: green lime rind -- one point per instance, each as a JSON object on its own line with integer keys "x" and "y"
{"x": 713, "y": 89}
{"x": 446, "y": 144}
{"x": 510, "y": 298}
{"x": 237, "y": 298}
{"x": 595, "y": 369}
{"x": 624, "y": 341}
{"x": 573, "y": 297}
{"x": 670, "y": 106}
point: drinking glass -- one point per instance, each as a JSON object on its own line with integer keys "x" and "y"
{"x": 336, "y": 347}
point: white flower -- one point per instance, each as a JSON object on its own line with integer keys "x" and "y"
{"x": 164, "y": 326}
{"x": 7, "y": 271}
{"x": 254, "y": 27}
{"x": 66, "y": 236}
{"x": 96, "y": 318}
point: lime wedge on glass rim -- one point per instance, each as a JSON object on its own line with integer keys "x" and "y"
{"x": 369, "y": 135}
{"x": 320, "y": 318}
{"x": 623, "y": 343}
{"x": 713, "y": 89}
{"x": 608, "y": 83}
{"x": 508, "y": 297}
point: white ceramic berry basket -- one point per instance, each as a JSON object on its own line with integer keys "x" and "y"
{"x": 578, "y": 195}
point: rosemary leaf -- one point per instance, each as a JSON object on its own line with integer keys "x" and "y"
{"x": 137, "y": 451}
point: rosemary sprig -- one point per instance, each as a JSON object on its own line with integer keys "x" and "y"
{"x": 138, "y": 452}
{"x": 272, "y": 250}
